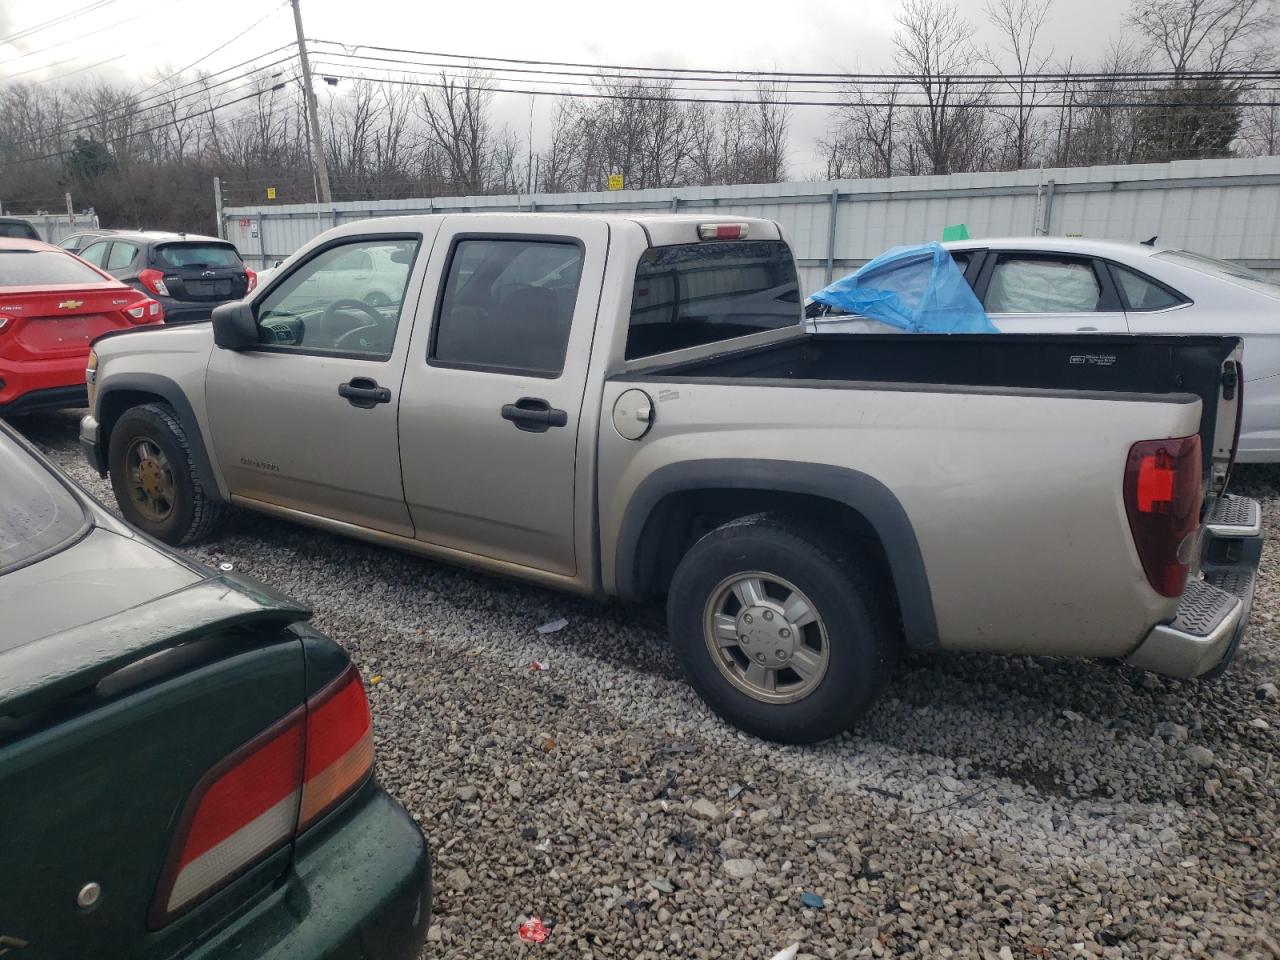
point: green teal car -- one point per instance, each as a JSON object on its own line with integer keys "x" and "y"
{"x": 185, "y": 765}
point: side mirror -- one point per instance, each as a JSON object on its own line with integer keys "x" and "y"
{"x": 234, "y": 326}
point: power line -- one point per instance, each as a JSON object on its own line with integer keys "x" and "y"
{"x": 80, "y": 36}
{"x": 55, "y": 21}
{"x": 789, "y": 76}
{"x": 159, "y": 126}
{"x": 599, "y": 82}
{"x": 661, "y": 96}
{"x": 89, "y": 121}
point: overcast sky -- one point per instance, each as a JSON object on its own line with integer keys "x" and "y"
{"x": 828, "y": 35}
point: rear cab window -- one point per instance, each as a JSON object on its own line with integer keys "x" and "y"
{"x": 207, "y": 255}
{"x": 16, "y": 230}
{"x": 691, "y": 294}
{"x": 35, "y": 268}
{"x": 38, "y": 515}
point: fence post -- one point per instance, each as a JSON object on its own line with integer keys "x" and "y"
{"x": 1048, "y": 208}
{"x": 217, "y": 207}
{"x": 831, "y": 235}
{"x": 71, "y": 212}
{"x": 675, "y": 204}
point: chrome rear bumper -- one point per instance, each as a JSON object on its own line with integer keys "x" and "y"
{"x": 1213, "y": 613}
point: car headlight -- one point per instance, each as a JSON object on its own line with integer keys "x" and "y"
{"x": 91, "y": 375}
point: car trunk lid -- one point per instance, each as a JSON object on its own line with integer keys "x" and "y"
{"x": 105, "y": 730}
{"x": 62, "y": 320}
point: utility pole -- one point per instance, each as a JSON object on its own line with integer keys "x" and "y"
{"x": 313, "y": 115}
{"x": 217, "y": 207}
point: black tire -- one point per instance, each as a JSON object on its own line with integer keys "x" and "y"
{"x": 193, "y": 514}
{"x": 848, "y": 597}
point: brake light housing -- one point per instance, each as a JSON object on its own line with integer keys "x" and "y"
{"x": 722, "y": 231}
{"x": 153, "y": 280}
{"x": 266, "y": 793}
{"x": 251, "y": 280}
{"x": 1163, "y": 493}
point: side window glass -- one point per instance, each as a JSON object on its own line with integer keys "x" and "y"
{"x": 1141, "y": 292}
{"x": 1042, "y": 285}
{"x": 508, "y": 305}
{"x": 121, "y": 256}
{"x": 326, "y": 307}
{"x": 94, "y": 253}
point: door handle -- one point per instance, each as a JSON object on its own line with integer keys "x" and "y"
{"x": 364, "y": 392}
{"x": 534, "y": 415}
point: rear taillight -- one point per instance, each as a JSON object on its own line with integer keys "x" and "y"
{"x": 147, "y": 311}
{"x": 339, "y": 746}
{"x": 153, "y": 280}
{"x": 251, "y": 280}
{"x": 266, "y": 793}
{"x": 1163, "y": 490}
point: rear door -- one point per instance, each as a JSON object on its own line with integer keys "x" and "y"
{"x": 493, "y": 390}
{"x": 200, "y": 271}
{"x": 306, "y": 419}
{"x": 1036, "y": 292}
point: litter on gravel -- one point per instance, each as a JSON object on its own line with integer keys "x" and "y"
{"x": 553, "y": 626}
{"x": 534, "y": 930}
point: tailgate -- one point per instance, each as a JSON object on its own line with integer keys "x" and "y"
{"x": 99, "y": 754}
{"x": 201, "y": 270}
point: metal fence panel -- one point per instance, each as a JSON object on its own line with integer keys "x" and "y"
{"x": 1225, "y": 208}
{"x": 53, "y": 227}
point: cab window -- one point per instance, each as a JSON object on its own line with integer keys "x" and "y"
{"x": 508, "y": 305}
{"x": 326, "y": 307}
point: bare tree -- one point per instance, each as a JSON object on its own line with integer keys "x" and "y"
{"x": 1019, "y": 24}
{"x": 933, "y": 45}
{"x": 456, "y": 113}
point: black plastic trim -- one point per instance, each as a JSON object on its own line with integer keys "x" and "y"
{"x": 48, "y": 398}
{"x": 857, "y": 490}
{"x": 172, "y": 394}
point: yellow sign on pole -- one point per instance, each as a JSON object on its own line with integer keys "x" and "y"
{"x": 615, "y": 181}
{"x": 271, "y": 193}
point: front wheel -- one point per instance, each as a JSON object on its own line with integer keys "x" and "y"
{"x": 780, "y": 630}
{"x": 154, "y": 477}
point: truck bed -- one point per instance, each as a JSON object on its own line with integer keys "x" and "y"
{"x": 1159, "y": 368}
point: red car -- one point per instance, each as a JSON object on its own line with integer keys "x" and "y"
{"x": 52, "y": 306}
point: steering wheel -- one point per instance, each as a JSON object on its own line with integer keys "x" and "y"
{"x": 332, "y": 310}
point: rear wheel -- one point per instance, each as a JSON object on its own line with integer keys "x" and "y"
{"x": 154, "y": 477}
{"x": 782, "y": 631}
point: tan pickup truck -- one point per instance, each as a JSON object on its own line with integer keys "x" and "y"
{"x": 630, "y": 406}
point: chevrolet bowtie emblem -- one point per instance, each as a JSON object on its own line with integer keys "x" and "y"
{"x": 70, "y": 304}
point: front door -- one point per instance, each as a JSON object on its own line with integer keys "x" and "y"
{"x": 307, "y": 419}
{"x": 1049, "y": 293}
{"x": 493, "y": 392}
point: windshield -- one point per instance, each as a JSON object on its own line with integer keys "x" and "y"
{"x": 695, "y": 293}
{"x": 1223, "y": 270}
{"x": 34, "y": 268}
{"x": 198, "y": 255}
{"x": 37, "y": 513}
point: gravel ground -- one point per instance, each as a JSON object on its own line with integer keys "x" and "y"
{"x": 988, "y": 807}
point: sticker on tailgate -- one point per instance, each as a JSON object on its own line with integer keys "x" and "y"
{"x": 1092, "y": 359}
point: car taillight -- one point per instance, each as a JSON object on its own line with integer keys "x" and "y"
{"x": 1163, "y": 490}
{"x": 153, "y": 280}
{"x": 251, "y": 280}
{"x": 266, "y": 793}
{"x": 722, "y": 231}
{"x": 145, "y": 312}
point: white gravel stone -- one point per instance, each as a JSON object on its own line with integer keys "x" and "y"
{"x": 739, "y": 868}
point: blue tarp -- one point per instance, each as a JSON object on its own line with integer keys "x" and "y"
{"x": 919, "y": 289}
